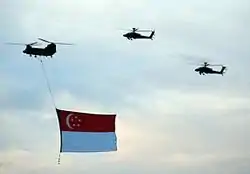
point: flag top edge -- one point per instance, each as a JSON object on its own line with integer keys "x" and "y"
{"x": 86, "y": 112}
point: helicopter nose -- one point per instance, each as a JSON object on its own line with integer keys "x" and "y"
{"x": 196, "y": 69}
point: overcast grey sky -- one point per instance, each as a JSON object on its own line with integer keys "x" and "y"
{"x": 169, "y": 118}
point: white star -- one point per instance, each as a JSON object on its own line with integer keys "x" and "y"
{"x": 79, "y": 120}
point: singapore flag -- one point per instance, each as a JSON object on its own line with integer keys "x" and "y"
{"x": 87, "y": 132}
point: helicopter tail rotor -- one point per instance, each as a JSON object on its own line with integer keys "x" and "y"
{"x": 152, "y": 35}
{"x": 223, "y": 70}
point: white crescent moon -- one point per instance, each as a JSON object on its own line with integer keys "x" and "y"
{"x": 67, "y": 121}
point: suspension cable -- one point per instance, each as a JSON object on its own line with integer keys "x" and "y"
{"x": 48, "y": 84}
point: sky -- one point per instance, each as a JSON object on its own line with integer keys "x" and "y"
{"x": 169, "y": 118}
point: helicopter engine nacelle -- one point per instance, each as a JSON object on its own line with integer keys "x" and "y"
{"x": 51, "y": 47}
{"x": 27, "y": 49}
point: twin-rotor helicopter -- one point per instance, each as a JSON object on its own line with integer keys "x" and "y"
{"x": 49, "y": 50}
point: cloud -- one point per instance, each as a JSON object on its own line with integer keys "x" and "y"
{"x": 170, "y": 119}
{"x": 146, "y": 127}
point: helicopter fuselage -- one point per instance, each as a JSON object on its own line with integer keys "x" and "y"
{"x": 49, "y": 50}
{"x": 134, "y": 35}
{"x": 205, "y": 70}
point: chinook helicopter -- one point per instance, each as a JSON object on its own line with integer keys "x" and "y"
{"x": 134, "y": 35}
{"x": 49, "y": 50}
{"x": 206, "y": 70}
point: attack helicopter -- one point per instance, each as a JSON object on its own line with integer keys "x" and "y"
{"x": 49, "y": 50}
{"x": 206, "y": 70}
{"x": 134, "y": 35}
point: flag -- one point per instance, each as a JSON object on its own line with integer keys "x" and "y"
{"x": 86, "y": 132}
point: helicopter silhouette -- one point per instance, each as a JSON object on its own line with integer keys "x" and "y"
{"x": 49, "y": 50}
{"x": 206, "y": 70}
{"x": 133, "y": 35}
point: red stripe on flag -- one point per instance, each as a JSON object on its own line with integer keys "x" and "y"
{"x": 85, "y": 122}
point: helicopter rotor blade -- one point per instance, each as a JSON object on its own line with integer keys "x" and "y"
{"x": 44, "y": 40}
{"x": 215, "y": 65}
{"x": 195, "y": 59}
{"x": 126, "y": 29}
{"x": 136, "y": 29}
{"x": 131, "y": 30}
{"x": 60, "y": 43}
{"x": 34, "y": 43}
{"x": 204, "y": 63}
{"x": 144, "y": 30}
{"x": 9, "y": 43}
{"x": 192, "y": 59}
